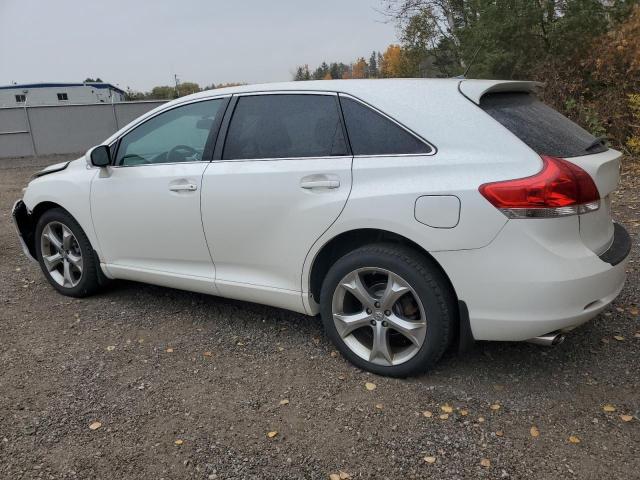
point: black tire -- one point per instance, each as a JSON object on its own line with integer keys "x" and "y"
{"x": 92, "y": 277}
{"x": 428, "y": 282}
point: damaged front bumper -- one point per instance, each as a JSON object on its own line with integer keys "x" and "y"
{"x": 24, "y": 228}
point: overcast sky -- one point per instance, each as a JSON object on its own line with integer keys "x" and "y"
{"x": 140, "y": 44}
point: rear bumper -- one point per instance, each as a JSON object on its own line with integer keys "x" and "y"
{"x": 528, "y": 283}
{"x": 24, "y": 227}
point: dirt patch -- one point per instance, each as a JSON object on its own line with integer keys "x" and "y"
{"x": 188, "y": 386}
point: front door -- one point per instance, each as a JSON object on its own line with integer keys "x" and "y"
{"x": 282, "y": 178}
{"x": 146, "y": 207}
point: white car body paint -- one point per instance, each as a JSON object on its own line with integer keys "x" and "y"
{"x": 438, "y": 211}
{"x": 165, "y": 236}
{"x": 249, "y": 231}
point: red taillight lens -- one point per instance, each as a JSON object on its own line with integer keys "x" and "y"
{"x": 560, "y": 188}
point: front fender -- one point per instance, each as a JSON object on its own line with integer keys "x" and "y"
{"x": 71, "y": 190}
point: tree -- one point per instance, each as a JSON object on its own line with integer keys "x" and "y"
{"x": 392, "y": 60}
{"x": 223, "y": 85}
{"x": 135, "y": 96}
{"x": 321, "y": 72}
{"x": 373, "y": 66}
{"x": 505, "y": 38}
{"x": 187, "y": 88}
{"x": 360, "y": 69}
{"x": 302, "y": 73}
{"x": 162, "y": 92}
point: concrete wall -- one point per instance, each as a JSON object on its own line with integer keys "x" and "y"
{"x": 52, "y": 129}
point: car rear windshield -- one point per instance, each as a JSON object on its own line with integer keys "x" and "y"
{"x": 541, "y": 127}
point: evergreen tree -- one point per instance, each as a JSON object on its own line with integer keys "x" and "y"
{"x": 321, "y": 72}
{"x": 302, "y": 73}
{"x": 373, "y": 66}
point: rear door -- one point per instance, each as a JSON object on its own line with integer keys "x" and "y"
{"x": 548, "y": 132}
{"x": 281, "y": 175}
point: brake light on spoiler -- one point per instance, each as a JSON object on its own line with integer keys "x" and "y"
{"x": 560, "y": 189}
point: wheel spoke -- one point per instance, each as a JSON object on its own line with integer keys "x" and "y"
{"x": 347, "y": 324}
{"x": 380, "y": 350}
{"x": 396, "y": 288}
{"x": 67, "y": 236}
{"x": 68, "y": 281}
{"x": 52, "y": 261}
{"x": 76, "y": 261}
{"x": 354, "y": 285}
{"x": 412, "y": 330}
{"x": 52, "y": 238}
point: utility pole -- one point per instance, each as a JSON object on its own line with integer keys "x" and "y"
{"x": 175, "y": 77}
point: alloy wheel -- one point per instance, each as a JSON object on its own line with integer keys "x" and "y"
{"x": 61, "y": 254}
{"x": 379, "y": 316}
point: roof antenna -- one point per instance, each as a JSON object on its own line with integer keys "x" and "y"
{"x": 473, "y": 59}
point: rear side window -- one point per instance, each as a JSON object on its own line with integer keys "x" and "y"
{"x": 285, "y": 126}
{"x": 373, "y": 134}
{"x": 544, "y": 129}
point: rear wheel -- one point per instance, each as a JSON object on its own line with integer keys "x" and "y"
{"x": 388, "y": 310}
{"x": 65, "y": 255}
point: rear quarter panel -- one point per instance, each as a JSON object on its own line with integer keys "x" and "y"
{"x": 472, "y": 149}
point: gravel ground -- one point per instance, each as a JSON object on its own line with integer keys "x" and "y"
{"x": 188, "y": 386}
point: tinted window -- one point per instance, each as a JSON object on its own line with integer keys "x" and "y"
{"x": 178, "y": 135}
{"x": 372, "y": 134}
{"x": 541, "y": 127}
{"x": 281, "y": 126}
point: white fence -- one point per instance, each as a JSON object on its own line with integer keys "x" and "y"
{"x": 52, "y": 129}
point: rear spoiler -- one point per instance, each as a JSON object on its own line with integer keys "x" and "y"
{"x": 475, "y": 89}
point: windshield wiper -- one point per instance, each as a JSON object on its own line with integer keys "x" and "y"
{"x": 597, "y": 142}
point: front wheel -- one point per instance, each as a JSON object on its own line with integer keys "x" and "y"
{"x": 65, "y": 255}
{"x": 388, "y": 309}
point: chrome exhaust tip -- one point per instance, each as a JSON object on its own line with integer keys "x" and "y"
{"x": 549, "y": 340}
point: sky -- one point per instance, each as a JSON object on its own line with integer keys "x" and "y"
{"x": 141, "y": 44}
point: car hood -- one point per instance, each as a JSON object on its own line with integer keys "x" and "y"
{"x": 51, "y": 169}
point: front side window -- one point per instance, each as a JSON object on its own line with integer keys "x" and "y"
{"x": 285, "y": 126}
{"x": 21, "y": 98}
{"x": 370, "y": 133}
{"x": 177, "y": 135}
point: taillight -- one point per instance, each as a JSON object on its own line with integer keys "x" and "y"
{"x": 561, "y": 188}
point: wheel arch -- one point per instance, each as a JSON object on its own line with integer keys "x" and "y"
{"x": 26, "y": 223}
{"x": 347, "y": 241}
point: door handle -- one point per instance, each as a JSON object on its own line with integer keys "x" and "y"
{"x": 183, "y": 187}
{"x": 320, "y": 181}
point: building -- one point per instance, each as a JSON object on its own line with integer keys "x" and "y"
{"x": 59, "y": 94}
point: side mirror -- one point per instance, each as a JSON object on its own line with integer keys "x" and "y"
{"x": 100, "y": 156}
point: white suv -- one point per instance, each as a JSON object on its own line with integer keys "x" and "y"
{"x": 411, "y": 214}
